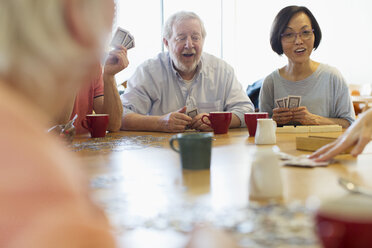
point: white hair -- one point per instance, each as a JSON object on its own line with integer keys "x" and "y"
{"x": 178, "y": 17}
{"x": 37, "y": 48}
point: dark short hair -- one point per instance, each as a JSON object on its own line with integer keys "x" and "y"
{"x": 280, "y": 24}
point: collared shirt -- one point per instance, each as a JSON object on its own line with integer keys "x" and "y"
{"x": 156, "y": 88}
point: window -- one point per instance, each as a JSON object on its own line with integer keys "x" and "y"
{"x": 238, "y": 31}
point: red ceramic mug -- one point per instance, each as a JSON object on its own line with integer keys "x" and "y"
{"x": 96, "y": 124}
{"x": 345, "y": 222}
{"x": 219, "y": 121}
{"x": 251, "y": 121}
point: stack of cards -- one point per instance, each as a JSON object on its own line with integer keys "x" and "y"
{"x": 192, "y": 113}
{"x": 288, "y": 102}
{"x": 122, "y": 37}
{"x": 300, "y": 161}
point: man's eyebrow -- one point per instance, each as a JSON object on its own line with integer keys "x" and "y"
{"x": 193, "y": 33}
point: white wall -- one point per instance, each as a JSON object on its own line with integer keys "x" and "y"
{"x": 239, "y": 32}
{"x": 346, "y": 42}
{"x": 142, "y": 18}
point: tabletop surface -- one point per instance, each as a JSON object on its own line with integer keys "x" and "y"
{"x": 149, "y": 199}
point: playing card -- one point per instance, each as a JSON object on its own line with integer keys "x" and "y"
{"x": 294, "y": 101}
{"x": 300, "y": 161}
{"x": 303, "y": 161}
{"x": 122, "y": 37}
{"x": 192, "y": 113}
{"x": 130, "y": 45}
{"x": 280, "y": 102}
{"x": 119, "y": 37}
{"x": 285, "y": 102}
{"x": 128, "y": 40}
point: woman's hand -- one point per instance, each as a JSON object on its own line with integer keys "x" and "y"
{"x": 303, "y": 116}
{"x": 282, "y": 115}
{"x": 358, "y": 134}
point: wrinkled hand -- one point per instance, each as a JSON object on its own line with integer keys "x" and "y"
{"x": 116, "y": 61}
{"x": 358, "y": 134}
{"x": 282, "y": 115}
{"x": 303, "y": 116}
{"x": 199, "y": 125}
{"x": 175, "y": 121}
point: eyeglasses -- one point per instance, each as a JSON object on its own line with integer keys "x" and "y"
{"x": 181, "y": 39}
{"x": 292, "y": 36}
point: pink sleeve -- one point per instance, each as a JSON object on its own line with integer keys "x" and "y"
{"x": 84, "y": 100}
{"x": 98, "y": 86}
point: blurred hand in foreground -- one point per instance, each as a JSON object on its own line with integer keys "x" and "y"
{"x": 357, "y": 135}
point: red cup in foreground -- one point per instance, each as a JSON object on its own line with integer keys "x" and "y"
{"x": 345, "y": 222}
{"x": 96, "y": 124}
{"x": 251, "y": 121}
{"x": 219, "y": 121}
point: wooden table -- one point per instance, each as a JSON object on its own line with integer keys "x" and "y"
{"x": 138, "y": 172}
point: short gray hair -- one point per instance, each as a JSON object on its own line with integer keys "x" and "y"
{"x": 178, "y": 17}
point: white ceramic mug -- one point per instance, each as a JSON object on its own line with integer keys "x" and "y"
{"x": 265, "y": 133}
{"x": 265, "y": 180}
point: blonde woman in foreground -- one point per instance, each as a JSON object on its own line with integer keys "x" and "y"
{"x": 47, "y": 48}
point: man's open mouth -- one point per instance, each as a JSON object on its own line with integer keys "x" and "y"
{"x": 188, "y": 54}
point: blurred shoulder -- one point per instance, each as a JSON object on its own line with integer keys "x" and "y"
{"x": 25, "y": 142}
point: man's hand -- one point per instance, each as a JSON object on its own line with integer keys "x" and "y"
{"x": 199, "y": 125}
{"x": 282, "y": 115}
{"x": 175, "y": 121}
{"x": 116, "y": 61}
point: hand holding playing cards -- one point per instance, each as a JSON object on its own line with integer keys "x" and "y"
{"x": 358, "y": 134}
{"x": 282, "y": 115}
{"x": 117, "y": 61}
{"x": 197, "y": 123}
{"x": 175, "y": 121}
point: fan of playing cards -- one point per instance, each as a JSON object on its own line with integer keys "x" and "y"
{"x": 288, "y": 102}
{"x": 122, "y": 37}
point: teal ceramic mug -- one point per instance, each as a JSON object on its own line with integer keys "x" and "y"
{"x": 194, "y": 149}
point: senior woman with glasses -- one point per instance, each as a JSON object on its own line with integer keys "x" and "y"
{"x": 324, "y": 92}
